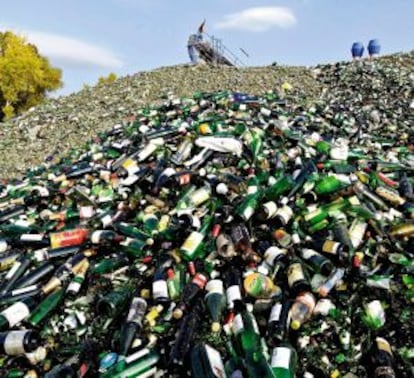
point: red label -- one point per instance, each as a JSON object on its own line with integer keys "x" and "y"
{"x": 68, "y": 238}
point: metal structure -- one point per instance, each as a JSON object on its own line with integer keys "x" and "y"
{"x": 211, "y": 50}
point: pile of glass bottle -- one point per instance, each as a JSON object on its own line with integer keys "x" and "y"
{"x": 223, "y": 235}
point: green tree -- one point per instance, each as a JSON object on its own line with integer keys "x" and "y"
{"x": 25, "y": 76}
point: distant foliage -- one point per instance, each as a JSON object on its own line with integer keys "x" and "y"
{"x": 25, "y": 76}
{"x": 108, "y": 79}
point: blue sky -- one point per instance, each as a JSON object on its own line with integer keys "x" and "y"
{"x": 91, "y": 38}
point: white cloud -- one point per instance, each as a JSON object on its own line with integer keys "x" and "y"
{"x": 70, "y": 51}
{"x": 258, "y": 19}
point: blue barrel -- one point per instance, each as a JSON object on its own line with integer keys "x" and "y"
{"x": 357, "y": 50}
{"x": 374, "y": 47}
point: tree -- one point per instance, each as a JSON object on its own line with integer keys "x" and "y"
{"x": 25, "y": 76}
{"x": 108, "y": 79}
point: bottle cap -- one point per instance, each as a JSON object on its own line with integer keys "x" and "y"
{"x": 295, "y": 325}
{"x": 215, "y": 327}
{"x": 178, "y": 313}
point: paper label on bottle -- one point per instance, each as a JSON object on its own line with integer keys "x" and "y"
{"x": 192, "y": 242}
{"x": 68, "y": 238}
{"x": 16, "y": 313}
{"x": 330, "y": 246}
{"x": 137, "y": 310}
{"x": 295, "y": 273}
{"x": 357, "y": 233}
{"x": 275, "y": 313}
{"x": 215, "y": 286}
{"x": 271, "y": 209}
{"x": 130, "y": 166}
{"x": 200, "y": 196}
{"x": 285, "y": 213}
{"x": 281, "y": 358}
{"x": 96, "y": 237}
{"x": 233, "y": 294}
{"x": 14, "y": 343}
{"x": 31, "y": 237}
{"x": 106, "y": 220}
{"x": 86, "y": 212}
{"x": 3, "y": 246}
{"x": 247, "y": 213}
{"x": 237, "y": 324}
{"x": 160, "y": 289}
{"x": 74, "y": 287}
{"x": 13, "y": 270}
{"x": 215, "y": 362}
{"x": 308, "y": 253}
{"x": 251, "y": 189}
{"x": 272, "y": 254}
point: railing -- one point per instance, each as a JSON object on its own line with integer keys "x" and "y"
{"x": 214, "y": 51}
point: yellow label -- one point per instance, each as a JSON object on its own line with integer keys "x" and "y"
{"x": 330, "y": 246}
{"x": 192, "y": 242}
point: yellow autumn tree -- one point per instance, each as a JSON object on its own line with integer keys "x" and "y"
{"x": 26, "y": 77}
{"x": 108, "y": 79}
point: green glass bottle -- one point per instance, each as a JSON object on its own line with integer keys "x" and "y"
{"x": 215, "y": 302}
{"x": 282, "y": 186}
{"x": 328, "y": 184}
{"x": 46, "y": 307}
{"x": 15, "y": 313}
{"x": 248, "y": 206}
{"x": 192, "y": 246}
{"x": 284, "y": 361}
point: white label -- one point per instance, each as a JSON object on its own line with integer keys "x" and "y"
{"x": 147, "y": 151}
{"x": 96, "y": 237}
{"x": 247, "y": 213}
{"x": 215, "y": 286}
{"x": 271, "y": 208}
{"x": 74, "y": 287}
{"x": 168, "y": 172}
{"x": 3, "y": 246}
{"x": 31, "y": 237}
{"x": 308, "y": 253}
{"x": 13, "y": 270}
{"x": 251, "y": 189}
{"x": 160, "y": 289}
{"x": 281, "y": 358}
{"x": 237, "y": 325}
{"x": 216, "y": 363}
{"x": 357, "y": 233}
{"x": 130, "y": 180}
{"x": 200, "y": 196}
{"x": 131, "y": 166}
{"x": 106, "y": 220}
{"x": 266, "y": 112}
{"x": 16, "y": 313}
{"x": 233, "y": 294}
{"x": 13, "y": 344}
{"x": 285, "y": 213}
{"x": 295, "y": 273}
{"x": 86, "y": 212}
{"x": 272, "y": 253}
{"x": 275, "y": 313}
